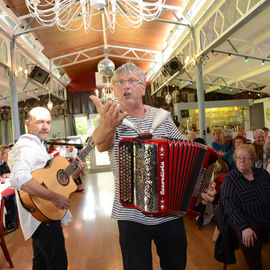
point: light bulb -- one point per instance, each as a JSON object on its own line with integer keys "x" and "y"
{"x": 50, "y": 105}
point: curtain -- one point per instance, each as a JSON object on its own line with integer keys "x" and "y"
{"x": 22, "y": 126}
{"x": 80, "y": 103}
{"x": 71, "y": 125}
{"x": 58, "y": 127}
{"x": 5, "y": 132}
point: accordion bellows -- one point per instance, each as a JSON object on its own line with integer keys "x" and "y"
{"x": 163, "y": 176}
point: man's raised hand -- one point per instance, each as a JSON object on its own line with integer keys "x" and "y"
{"x": 110, "y": 115}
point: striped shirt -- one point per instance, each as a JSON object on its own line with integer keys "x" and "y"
{"x": 167, "y": 128}
{"x": 245, "y": 200}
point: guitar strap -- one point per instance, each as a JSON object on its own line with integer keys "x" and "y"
{"x": 28, "y": 209}
{"x": 48, "y": 163}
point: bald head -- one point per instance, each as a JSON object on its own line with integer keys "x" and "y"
{"x": 39, "y": 122}
{"x": 37, "y": 111}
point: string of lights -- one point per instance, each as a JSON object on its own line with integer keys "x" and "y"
{"x": 246, "y": 57}
{"x": 223, "y": 86}
{"x": 5, "y": 98}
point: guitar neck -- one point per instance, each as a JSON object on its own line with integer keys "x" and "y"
{"x": 73, "y": 165}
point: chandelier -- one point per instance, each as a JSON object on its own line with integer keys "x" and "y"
{"x": 75, "y": 14}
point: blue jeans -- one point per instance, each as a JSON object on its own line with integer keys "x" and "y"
{"x": 49, "y": 247}
{"x": 136, "y": 240}
{"x": 11, "y": 208}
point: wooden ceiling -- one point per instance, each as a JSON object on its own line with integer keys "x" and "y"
{"x": 150, "y": 36}
{"x": 250, "y": 37}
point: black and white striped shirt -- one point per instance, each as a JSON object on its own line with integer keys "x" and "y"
{"x": 245, "y": 200}
{"x": 168, "y": 129}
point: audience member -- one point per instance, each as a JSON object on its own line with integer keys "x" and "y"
{"x": 54, "y": 149}
{"x": 10, "y": 200}
{"x": 199, "y": 140}
{"x": 1, "y": 147}
{"x": 70, "y": 153}
{"x": 218, "y": 144}
{"x": 259, "y": 140}
{"x": 246, "y": 199}
{"x": 177, "y": 123}
{"x": 191, "y": 136}
{"x": 243, "y": 133}
{"x": 266, "y": 133}
{"x": 228, "y": 157}
{"x": 266, "y": 149}
{"x": 227, "y": 139}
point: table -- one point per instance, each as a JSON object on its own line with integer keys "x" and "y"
{"x": 5, "y": 190}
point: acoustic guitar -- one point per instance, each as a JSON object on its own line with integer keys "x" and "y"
{"x": 58, "y": 178}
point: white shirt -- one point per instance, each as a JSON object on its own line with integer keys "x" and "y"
{"x": 68, "y": 154}
{"x": 27, "y": 155}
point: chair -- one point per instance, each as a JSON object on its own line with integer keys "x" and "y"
{"x": 264, "y": 240}
{"x": 219, "y": 180}
{"x": 227, "y": 241}
{"x": 2, "y": 242}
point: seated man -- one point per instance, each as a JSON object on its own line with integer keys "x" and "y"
{"x": 70, "y": 153}
{"x": 10, "y": 200}
{"x": 227, "y": 139}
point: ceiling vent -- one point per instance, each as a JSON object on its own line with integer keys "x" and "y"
{"x": 173, "y": 66}
{"x": 40, "y": 75}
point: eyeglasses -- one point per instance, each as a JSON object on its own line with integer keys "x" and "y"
{"x": 243, "y": 158}
{"x": 131, "y": 82}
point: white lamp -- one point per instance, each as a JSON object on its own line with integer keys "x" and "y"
{"x": 50, "y": 104}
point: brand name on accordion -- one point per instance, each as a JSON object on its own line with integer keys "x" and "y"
{"x": 162, "y": 191}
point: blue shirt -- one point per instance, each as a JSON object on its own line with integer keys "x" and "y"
{"x": 218, "y": 147}
{"x": 228, "y": 158}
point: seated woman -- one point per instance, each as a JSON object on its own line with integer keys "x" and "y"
{"x": 245, "y": 194}
{"x": 228, "y": 157}
{"x": 218, "y": 144}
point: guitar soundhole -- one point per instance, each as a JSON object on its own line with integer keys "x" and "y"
{"x": 62, "y": 177}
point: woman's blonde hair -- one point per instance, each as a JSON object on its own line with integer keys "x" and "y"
{"x": 246, "y": 147}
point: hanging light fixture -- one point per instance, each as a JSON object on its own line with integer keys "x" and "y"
{"x": 50, "y": 104}
{"x": 107, "y": 94}
{"x": 168, "y": 97}
{"x": 106, "y": 68}
{"x": 63, "y": 13}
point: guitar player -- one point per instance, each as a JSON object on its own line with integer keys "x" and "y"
{"x": 29, "y": 154}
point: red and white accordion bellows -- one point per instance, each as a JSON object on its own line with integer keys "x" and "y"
{"x": 163, "y": 176}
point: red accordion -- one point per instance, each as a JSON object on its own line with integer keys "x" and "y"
{"x": 163, "y": 176}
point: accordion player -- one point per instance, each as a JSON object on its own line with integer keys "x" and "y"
{"x": 161, "y": 176}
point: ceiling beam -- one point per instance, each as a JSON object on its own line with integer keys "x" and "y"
{"x": 135, "y": 54}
